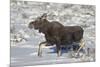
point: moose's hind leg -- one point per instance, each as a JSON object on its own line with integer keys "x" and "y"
{"x": 82, "y": 44}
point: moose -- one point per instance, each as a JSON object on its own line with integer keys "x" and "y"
{"x": 57, "y": 34}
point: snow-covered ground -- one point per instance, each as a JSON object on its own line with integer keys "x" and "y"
{"x": 24, "y": 42}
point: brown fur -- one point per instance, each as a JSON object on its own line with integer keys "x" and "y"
{"x": 56, "y": 33}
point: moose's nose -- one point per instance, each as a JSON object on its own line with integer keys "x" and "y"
{"x": 30, "y": 26}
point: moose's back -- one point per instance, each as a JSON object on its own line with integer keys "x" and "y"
{"x": 75, "y": 32}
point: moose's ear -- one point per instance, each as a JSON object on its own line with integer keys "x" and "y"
{"x": 38, "y": 18}
{"x": 44, "y": 16}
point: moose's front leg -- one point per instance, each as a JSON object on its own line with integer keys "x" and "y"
{"x": 40, "y": 48}
{"x": 58, "y": 45}
{"x": 58, "y": 50}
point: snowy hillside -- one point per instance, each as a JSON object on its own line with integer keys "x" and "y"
{"x": 24, "y": 42}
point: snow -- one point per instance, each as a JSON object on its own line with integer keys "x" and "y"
{"x": 24, "y": 42}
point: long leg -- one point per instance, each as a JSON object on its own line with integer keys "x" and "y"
{"x": 40, "y": 48}
{"x": 58, "y": 45}
{"x": 82, "y": 44}
{"x": 58, "y": 50}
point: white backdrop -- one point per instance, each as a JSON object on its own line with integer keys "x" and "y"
{"x": 5, "y": 34}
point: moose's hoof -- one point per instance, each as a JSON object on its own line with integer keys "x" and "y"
{"x": 39, "y": 55}
{"x": 58, "y": 55}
